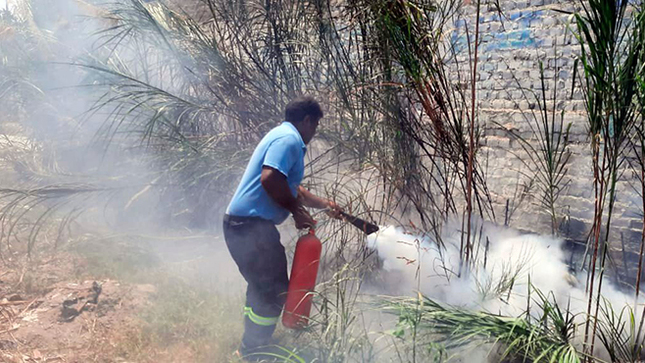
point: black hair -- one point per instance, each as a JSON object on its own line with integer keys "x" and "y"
{"x": 299, "y": 108}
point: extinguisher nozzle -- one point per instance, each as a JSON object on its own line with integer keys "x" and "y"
{"x": 367, "y": 227}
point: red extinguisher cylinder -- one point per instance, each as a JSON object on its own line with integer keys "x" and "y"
{"x": 302, "y": 281}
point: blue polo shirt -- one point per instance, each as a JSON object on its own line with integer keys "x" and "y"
{"x": 282, "y": 149}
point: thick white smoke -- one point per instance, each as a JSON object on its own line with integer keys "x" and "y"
{"x": 513, "y": 261}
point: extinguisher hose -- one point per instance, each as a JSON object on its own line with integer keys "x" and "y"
{"x": 367, "y": 227}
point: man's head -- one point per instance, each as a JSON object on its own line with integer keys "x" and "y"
{"x": 304, "y": 113}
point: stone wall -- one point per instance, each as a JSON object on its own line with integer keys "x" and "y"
{"x": 513, "y": 45}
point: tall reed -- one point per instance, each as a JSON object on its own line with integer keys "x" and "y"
{"x": 610, "y": 57}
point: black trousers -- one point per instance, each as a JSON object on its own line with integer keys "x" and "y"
{"x": 255, "y": 246}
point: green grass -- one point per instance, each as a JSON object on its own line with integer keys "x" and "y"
{"x": 205, "y": 322}
{"x": 440, "y": 329}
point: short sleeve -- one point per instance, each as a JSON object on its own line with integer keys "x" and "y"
{"x": 282, "y": 154}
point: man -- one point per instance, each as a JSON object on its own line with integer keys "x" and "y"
{"x": 268, "y": 192}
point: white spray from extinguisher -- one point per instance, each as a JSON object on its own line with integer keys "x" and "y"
{"x": 414, "y": 262}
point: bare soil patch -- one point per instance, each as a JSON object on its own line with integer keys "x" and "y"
{"x": 71, "y": 322}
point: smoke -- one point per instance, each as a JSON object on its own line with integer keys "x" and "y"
{"x": 85, "y": 181}
{"x": 55, "y": 94}
{"x": 510, "y": 266}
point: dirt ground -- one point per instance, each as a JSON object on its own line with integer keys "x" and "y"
{"x": 50, "y": 309}
{"x": 112, "y": 296}
{"x": 96, "y": 307}
{"x": 81, "y": 321}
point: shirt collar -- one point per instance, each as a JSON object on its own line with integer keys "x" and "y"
{"x": 294, "y": 129}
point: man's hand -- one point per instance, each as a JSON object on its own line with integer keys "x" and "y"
{"x": 333, "y": 210}
{"x": 302, "y": 218}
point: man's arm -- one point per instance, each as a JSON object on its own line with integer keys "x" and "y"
{"x": 275, "y": 184}
{"x": 310, "y": 200}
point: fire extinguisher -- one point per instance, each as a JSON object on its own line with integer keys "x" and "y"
{"x": 302, "y": 281}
